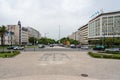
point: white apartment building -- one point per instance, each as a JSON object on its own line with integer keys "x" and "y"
{"x": 83, "y": 34}
{"x": 33, "y": 33}
{"x": 104, "y": 25}
{"x": 78, "y": 35}
{"x": 73, "y": 36}
{"x": 24, "y": 35}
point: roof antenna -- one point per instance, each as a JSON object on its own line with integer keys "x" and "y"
{"x": 101, "y": 10}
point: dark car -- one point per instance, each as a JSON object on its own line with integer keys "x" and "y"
{"x": 51, "y": 45}
{"x": 99, "y": 47}
{"x": 11, "y": 47}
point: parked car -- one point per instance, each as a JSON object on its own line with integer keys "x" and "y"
{"x": 73, "y": 46}
{"x": 85, "y": 47}
{"x": 78, "y": 46}
{"x": 113, "y": 49}
{"x": 18, "y": 48}
{"x": 10, "y": 47}
{"x": 99, "y": 47}
{"x": 41, "y": 45}
{"x": 51, "y": 45}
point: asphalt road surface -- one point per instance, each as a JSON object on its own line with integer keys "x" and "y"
{"x": 47, "y": 48}
{"x": 58, "y": 64}
{"x": 56, "y": 48}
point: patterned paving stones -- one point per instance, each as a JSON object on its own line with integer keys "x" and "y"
{"x": 58, "y": 65}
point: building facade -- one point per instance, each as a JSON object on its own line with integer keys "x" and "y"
{"x": 12, "y": 38}
{"x": 104, "y": 25}
{"x": 73, "y": 36}
{"x": 24, "y": 36}
{"x": 33, "y": 32}
{"x": 83, "y": 34}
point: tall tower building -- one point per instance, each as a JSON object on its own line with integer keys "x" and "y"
{"x": 19, "y": 23}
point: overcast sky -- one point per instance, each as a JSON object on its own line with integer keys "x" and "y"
{"x": 47, "y": 15}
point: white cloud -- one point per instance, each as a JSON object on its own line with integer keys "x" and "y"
{"x": 47, "y": 15}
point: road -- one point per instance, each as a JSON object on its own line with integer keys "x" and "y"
{"x": 58, "y": 64}
{"x": 47, "y": 48}
{"x": 56, "y": 48}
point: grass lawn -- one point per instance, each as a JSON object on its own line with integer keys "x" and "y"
{"x": 1, "y": 47}
{"x": 9, "y": 54}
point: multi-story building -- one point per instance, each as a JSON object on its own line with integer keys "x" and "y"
{"x": 77, "y": 35}
{"x": 24, "y": 35}
{"x": 104, "y": 25}
{"x": 14, "y": 37}
{"x": 83, "y": 34}
{"x": 73, "y": 36}
{"x": 33, "y": 33}
{"x": 18, "y": 35}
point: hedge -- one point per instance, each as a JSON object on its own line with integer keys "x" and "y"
{"x": 8, "y": 54}
{"x": 104, "y": 55}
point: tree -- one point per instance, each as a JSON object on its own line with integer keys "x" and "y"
{"x": 66, "y": 39}
{"x": 2, "y": 34}
{"x": 46, "y": 41}
{"x": 32, "y": 40}
{"x": 107, "y": 41}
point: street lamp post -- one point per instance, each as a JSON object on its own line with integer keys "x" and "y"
{"x": 34, "y": 43}
{"x": 59, "y": 34}
{"x": 46, "y": 34}
{"x": 113, "y": 36}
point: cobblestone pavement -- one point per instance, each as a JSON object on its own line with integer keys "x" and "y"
{"x": 58, "y": 65}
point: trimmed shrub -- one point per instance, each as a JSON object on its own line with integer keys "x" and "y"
{"x": 104, "y": 55}
{"x": 95, "y": 55}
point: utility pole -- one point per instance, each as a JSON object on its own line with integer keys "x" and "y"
{"x": 34, "y": 42}
{"x": 45, "y": 35}
{"x": 113, "y": 36}
{"x": 59, "y": 34}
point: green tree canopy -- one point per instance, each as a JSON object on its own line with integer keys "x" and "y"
{"x": 46, "y": 41}
{"x": 65, "y": 39}
{"x": 2, "y": 34}
{"x": 33, "y": 40}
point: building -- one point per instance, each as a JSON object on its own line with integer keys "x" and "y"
{"x": 33, "y": 33}
{"x": 83, "y": 34}
{"x": 12, "y": 38}
{"x": 20, "y": 28}
{"x": 18, "y": 35}
{"x": 24, "y": 36}
{"x": 78, "y": 35}
{"x": 104, "y": 25}
{"x": 73, "y": 35}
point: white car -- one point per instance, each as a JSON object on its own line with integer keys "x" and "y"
{"x": 41, "y": 45}
{"x": 18, "y": 48}
{"x": 72, "y": 46}
{"x": 113, "y": 49}
{"x": 84, "y": 47}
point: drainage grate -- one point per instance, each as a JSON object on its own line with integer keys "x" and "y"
{"x": 84, "y": 75}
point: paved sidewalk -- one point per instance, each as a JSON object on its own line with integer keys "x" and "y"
{"x": 50, "y": 77}
{"x": 58, "y": 65}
